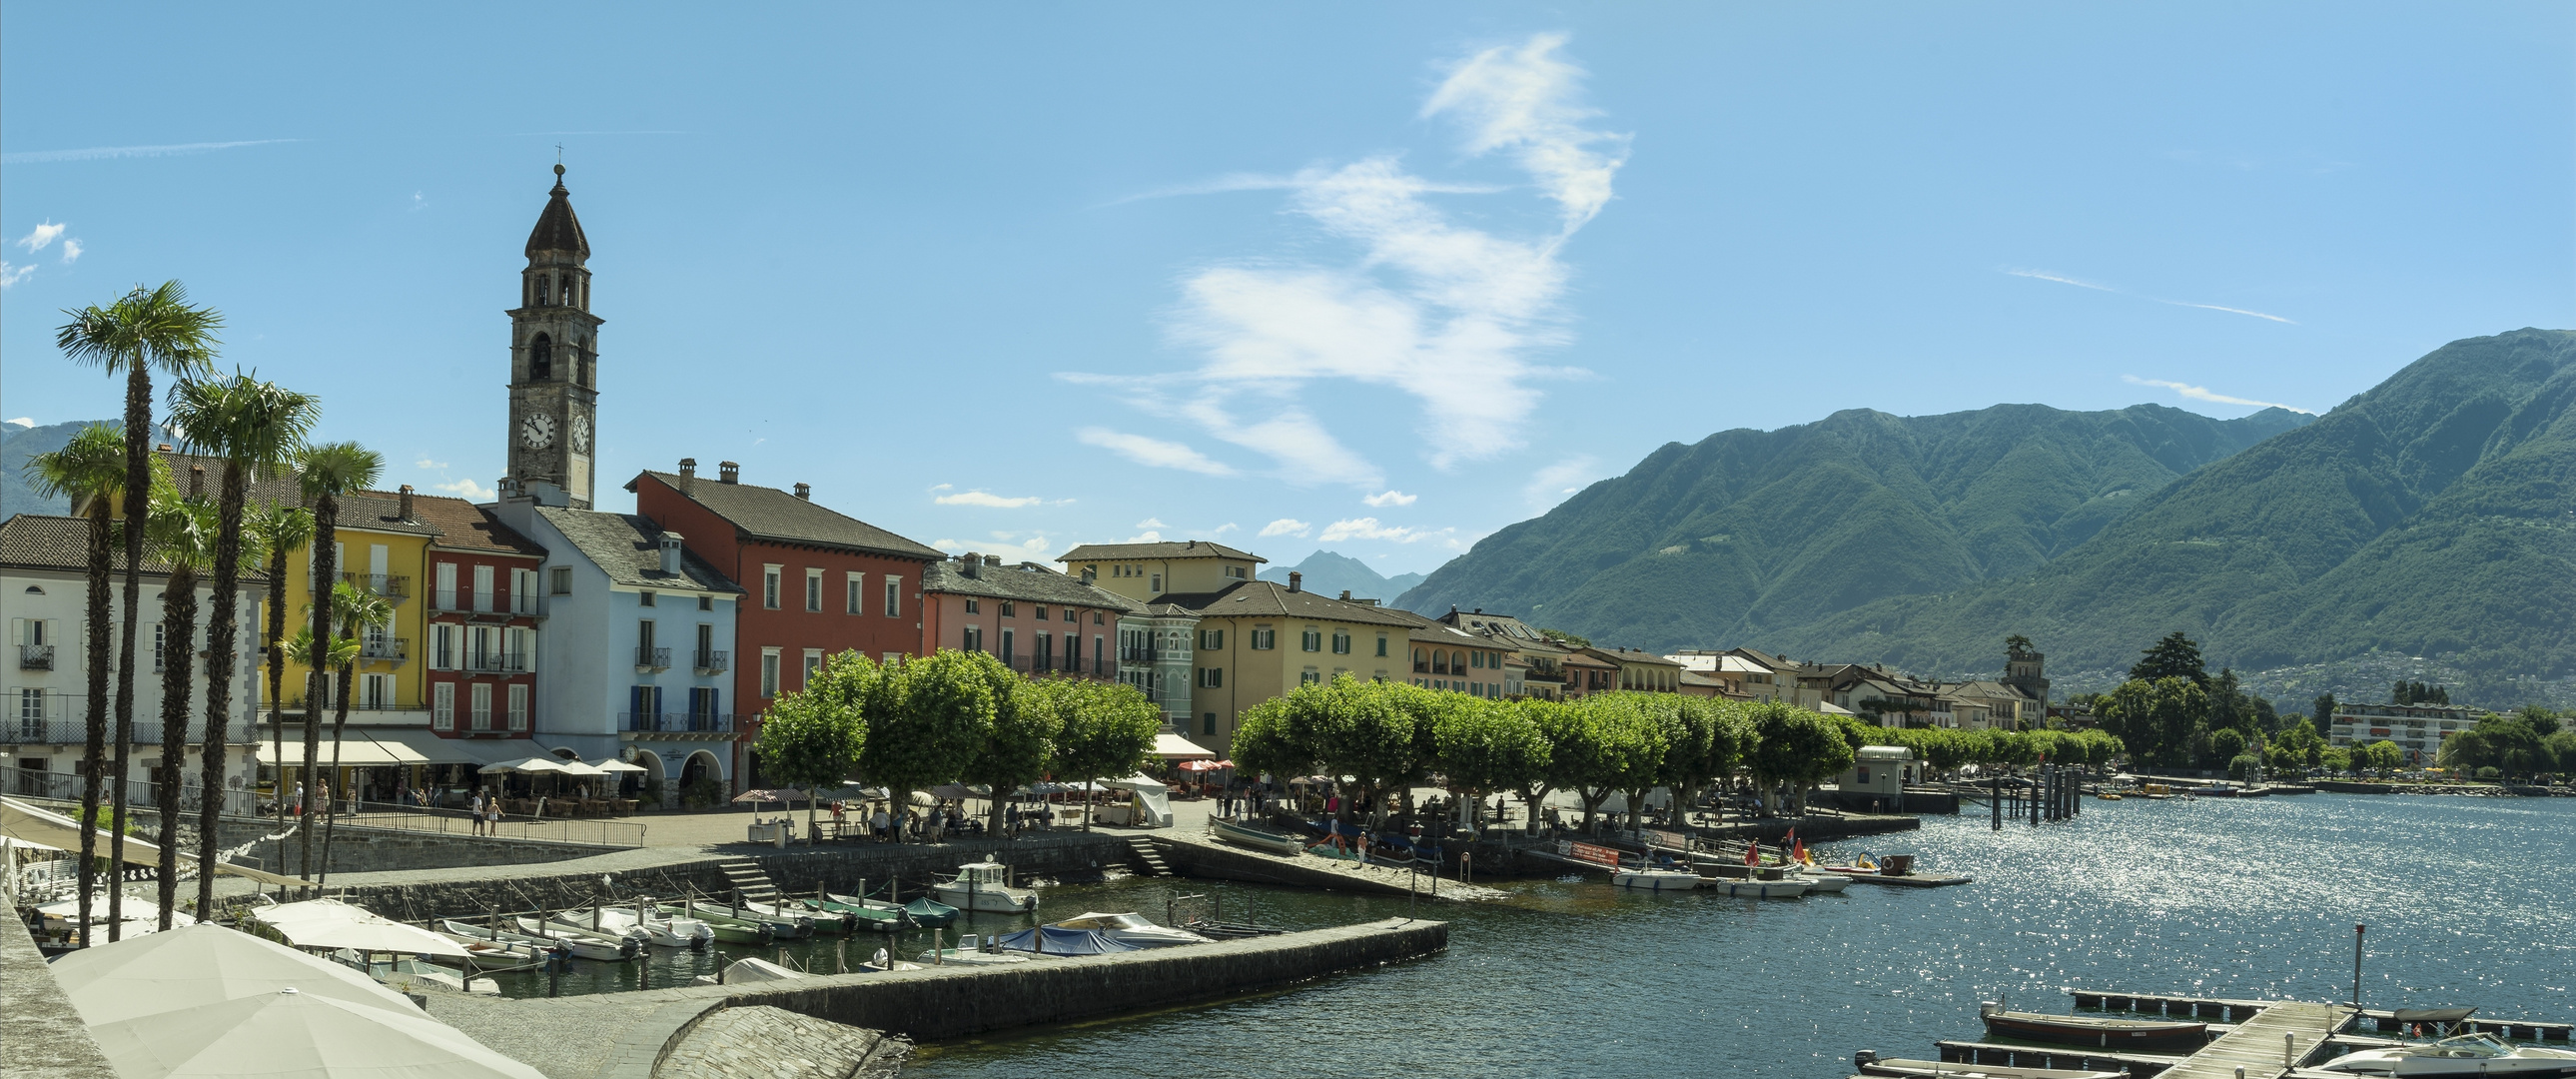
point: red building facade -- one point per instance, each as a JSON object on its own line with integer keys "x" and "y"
{"x": 819, "y": 582}
{"x": 479, "y": 661}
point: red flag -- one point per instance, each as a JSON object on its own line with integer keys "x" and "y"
{"x": 1753, "y": 853}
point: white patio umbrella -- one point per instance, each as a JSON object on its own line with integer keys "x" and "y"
{"x": 292, "y": 1034}
{"x": 200, "y": 965}
{"x": 330, "y": 923}
{"x": 577, "y": 768}
{"x": 614, "y": 765}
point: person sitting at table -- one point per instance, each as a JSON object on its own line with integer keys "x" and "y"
{"x": 878, "y": 822}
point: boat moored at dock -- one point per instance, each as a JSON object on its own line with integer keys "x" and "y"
{"x": 985, "y": 887}
{"x": 2099, "y": 1031}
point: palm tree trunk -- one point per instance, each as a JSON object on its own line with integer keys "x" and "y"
{"x": 179, "y": 625}
{"x": 223, "y": 664}
{"x": 339, "y": 723}
{"x": 138, "y": 491}
{"x": 326, "y": 573}
{"x": 96, "y": 659}
{"x": 277, "y": 680}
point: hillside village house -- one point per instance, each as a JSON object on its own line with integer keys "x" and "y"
{"x": 44, "y": 596}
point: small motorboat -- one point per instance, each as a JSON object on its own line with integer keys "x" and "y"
{"x": 1131, "y": 929}
{"x": 1869, "y": 1064}
{"x": 830, "y": 923}
{"x": 874, "y": 918}
{"x": 1267, "y": 842}
{"x": 2108, "y": 796}
{"x": 2463, "y": 1056}
{"x": 583, "y": 923}
{"x": 968, "y": 953}
{"x": 1655, "y": 880}
{"x": 660, "y": 930}
{"x": 1819, "y": 882}
{"x": 2102, "y": 1032}
{"x": 984, "y": 886}
{"x": 885, "y": 961}
{"x": 925, "y": 911}
{"x": 495, "y": 948}
{"x": 1745, "y": 888}
{"x": 782, "y": 925}
{"x": 749, "y": 971}
{"x": 726, "y": 928}
{"x": 583, "y": 945}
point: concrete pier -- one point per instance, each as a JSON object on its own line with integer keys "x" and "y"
{"x": 1204, "y": 855}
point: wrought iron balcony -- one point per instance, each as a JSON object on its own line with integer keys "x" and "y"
{"x": 709, "y": 661}
{"x": 1147, "y": 654}
{"x": 648, "y": 658}
{"x": 385, "y": 649}
{"x": 35, "y": 657}
{"x": 676, "y": 722}
{"x": 497, "y": 663}
{"x": 392, "y": 586}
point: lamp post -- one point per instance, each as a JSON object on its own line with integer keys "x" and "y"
{"x": 2357, "y": 931}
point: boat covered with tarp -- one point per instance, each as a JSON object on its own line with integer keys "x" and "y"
{"x": 1049, "y": 940}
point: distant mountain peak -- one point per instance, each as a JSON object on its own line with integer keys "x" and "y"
{"x": 1331, "y": 573}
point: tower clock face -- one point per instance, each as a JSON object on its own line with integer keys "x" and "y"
{"x": 538, "y": 432}
{"x": 581, "y": 434}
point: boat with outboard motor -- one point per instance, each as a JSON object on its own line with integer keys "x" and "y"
{"x": 1645, "y": 879}
{"x": 725, "y": 927}
{"x": 583, "y": 943}
{"x": 660, "y": 930}
{"x": 971, "y": 954}
{"x": 2099, "y": 1031}
{"x": 1130, "y": 929}
{"x": 985, "y": 886}
{"x": 2480, "y": 1055}
{"x": 1869, "y": 1064}
{"x": 871, "y": 917}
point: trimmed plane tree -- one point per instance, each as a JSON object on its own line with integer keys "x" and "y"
{"x": 1102, "y": 729}
{"x": 925, "y": 723}
{"x": 816, "y": 736}
{"x": 1019, "y": 741}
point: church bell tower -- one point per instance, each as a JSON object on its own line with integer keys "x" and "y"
{"x": 554, "y": 357}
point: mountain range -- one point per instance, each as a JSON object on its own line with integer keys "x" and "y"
{"x": 1330, "y": 574}
{"x": 2432, "y": 516}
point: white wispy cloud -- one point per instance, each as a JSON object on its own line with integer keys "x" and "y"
{"x": 1383, "y": 499}
{"x": 1153, "y": 451}
{"x": 2204, "y": 393}
{"x": 22, "y": 421}
{"x": 1222, "y": 529}
{"x": 427, "y": 463}
{"x": 1368, "y": 528}
{"x": 2043, "y": 275}
{"x": 1549, "y": 486}
{"x": 467, "y": 489}
{"x": 101, "y": 153}
{"x": 994, "y": 501}
{"x": 1287, "y": 526}
{"x": 72, "y": 251}
{"x": 1147, "y": 536}
{"x": 1448, "y": 313}
{"x": 42, "y": 237}
{"x": 1152, "y": 522}
{"x": 11, "y": 273}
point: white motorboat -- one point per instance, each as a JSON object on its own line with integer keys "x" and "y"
{"x": 665, "y": 931}
{"x": 985, "y": 886}
{"x": 748, "y": 971}
{"x": 2467, "y": 1055}
{"x": 1824, "y": 882}
{"x": 884, "y": 961}
{"x": 491, "y": 948}
{"x": 1131, "y": 930}
{"x": 582, "y": 945}
{"x": 1740, "y": 888}
{"x": 967, "y": 953}
{"x": 582, "y": 923}
{"x": 1656, "y": 880}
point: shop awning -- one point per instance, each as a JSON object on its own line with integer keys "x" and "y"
{"x": 375, "y": 748}
{"x": 1175, "y": 747}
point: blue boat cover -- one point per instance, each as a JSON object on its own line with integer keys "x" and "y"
{"x": 1063, "y": 941}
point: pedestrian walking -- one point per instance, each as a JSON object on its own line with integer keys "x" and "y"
{"x": 477, "y": 805}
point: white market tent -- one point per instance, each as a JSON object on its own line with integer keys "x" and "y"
{"x": 290, "y": 1032}
{"x": 1174, "y": 747}
{"x": 526, "y": 766}
{"x": 200, "y": 965}
{"x": 330, "y": 923}
{"x": 612, "y": 765}
{"x": 1150, "y": 793}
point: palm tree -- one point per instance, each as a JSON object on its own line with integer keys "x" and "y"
{"x": 330, "y": 470}
{"x": 182, "y": 534}
{"x": 282, "y": 531}
{"x": 146, "y": 328}
{"x": 90, "y": 469}
{"x": 256, "y": 427}
{"x": 360, "y": 611}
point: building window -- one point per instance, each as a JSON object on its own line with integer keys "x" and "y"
{"x": 645, "y": 597}
{"x": 813, "y": 663}
{"x": 482, "y": 706}
{"x": 1095, "y": 618}
{"x": 1158, "y": 582}
{"x": 1309, "y": 677}
{"x": 974, "y": 606}
{"x": 768, "y": 672}
{"x": 1312, "y": 640}
{"x": 856, "y": 595}
{"x": 1070, "y": 616}
{"x": 1004, "y": 653}
{"x": 442, "y": 706}
{"x": 446, "y": 586}
{"x": 1381, "y": 645}
{"x": 1264, "y": 639}
{"x": 1042, "y": 655}
{"x": 971, "y": 638}
{"x": 1211, "y": 678}
{"x": 814, "y": 590}
{"x": 483, "y": 589}
{"x": 706, "y": 603}
{"x": 894, "y": 597}
{"x": 1208, "y": 724}
{"x": 1341, "y": 642}
{"x": 559, "y": 580}
{"x": 442, "y": 647}
{"x": 1039, "y": 613}
{"x": 1211, "y": 640}
{"x": 769, "y": 586}
{"x": 1009, "y": 609}
{"x": 518, "y": 707}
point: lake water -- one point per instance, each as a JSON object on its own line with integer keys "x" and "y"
{"x": 2469, "y": 901}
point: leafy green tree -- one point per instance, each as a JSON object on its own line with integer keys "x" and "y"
{"x": 2337, "y": 759}
{"x": 255, "y": 428}
{"x": 1020, "y": 741}
{"x": 2382, "y": 757}
{"x": 1103, "y": 728}
{"x": 925, "y": 731}
{"x": 1796, "y": 748}
{"x": 326, "y": 472}
{"x": 816, "y": 736}
{"x": 2322, "y": 711}
{"x": 1566, "y": 637}
{"x": 2017, "y": 643}
{"x": 1558, "y": 723}
{"x": 146, "y": 328}
{"x": 2243, "y": 767}
{"x": 1484, "y": 746}
{"x": 2226, "y": 744}
{"x": 1370, "y": 731}
{"x": 1625, "y": 748}
{"x": 181, "y": 535}
{"x": 2157, "y": 720}
{"x": 2176, "y": 656}
{"x": 90, "y": 470}
{"x": 1703, "y": 743}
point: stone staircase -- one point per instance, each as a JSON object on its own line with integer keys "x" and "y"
{"x": 747, "y": 881}
{"x": 1146, "y": 858}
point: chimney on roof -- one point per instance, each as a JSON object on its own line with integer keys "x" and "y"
{"x": 688, "y": 468}
{"x": 992, "y": 560}
{"x": 805, "y": 491}
{"x": 1453, "y": 610}
{"x": 1346, "y": 595}
{"x": 1090, "y": 573}
{"x": 671, "y": 553}
{"x": 1296, "y": 581}
{"x": 728, "y": 472}
{"x": 970, "y": 564}
{"x": 197, "y": 481}
{"x": 1480, "y": 610}
{"x": 405, "y": 510}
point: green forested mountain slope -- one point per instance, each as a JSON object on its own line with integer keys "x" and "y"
{"x": 2434, "y": 515}
{"x": 1750, "y": 534}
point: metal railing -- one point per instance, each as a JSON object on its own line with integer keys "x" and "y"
{"x": 35, "y": 657}
{"x": 392, "y": 586}
{"x": 677, "y": 722}
{"x": 651, "y": 658}
{"x": 1131, "y": 654}
{"x": 709, "y": 661}
{"x": 586, "y": 830}
{"x": 496, "y": 663}
{"x": 393, "y": 649}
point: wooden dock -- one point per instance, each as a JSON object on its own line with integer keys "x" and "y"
{"x": 2150, "y": 1004}
{"x": 2277, "y": 1039}
{"x": 2063, "y": 1057}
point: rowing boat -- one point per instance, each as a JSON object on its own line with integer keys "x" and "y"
{"x": 1255, "y": 838}
{"x": 2103, "y": 1032}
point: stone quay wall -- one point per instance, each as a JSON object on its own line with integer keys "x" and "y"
{"x": 840, "y": 867}
{"x": 357, "y": 849}
{"x": 47, "y": 1039}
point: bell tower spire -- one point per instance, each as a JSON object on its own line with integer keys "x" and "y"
{"x": 554, "y": 354}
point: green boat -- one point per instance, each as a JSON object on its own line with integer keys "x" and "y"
{"x": 727, "y": 929}
{"x": 781, "y": 927}
{"x": 854, "y": 917}
{"x": 925, "y": 912}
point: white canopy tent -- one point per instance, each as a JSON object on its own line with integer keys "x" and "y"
{"x": 330, "y": 923}
{"x": 200, "y": 965}
{"x": 1152, "y": 796}
{"x": 31, "y": 824}
{"x": 1174, "y": 747}
{"x": 290, "y": 1032}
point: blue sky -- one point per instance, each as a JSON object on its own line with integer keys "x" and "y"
{"x": 1376, "y": 278}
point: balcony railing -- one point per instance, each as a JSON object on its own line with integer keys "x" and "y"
{"x": 648, "y": 658}
{"x": 708, "y": 661}
{"x": 1096, "y": 666}
{"x": 451, "y": 601}
{"x": 676, "y": 722}
{"x": 35, "y": 657}
{"x": 392, "y": 586}
{"x": 385, "y": 649}
{"x": 496, "y": 663}
{"x": 1132, "y": 654}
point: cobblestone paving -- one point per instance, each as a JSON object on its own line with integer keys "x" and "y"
{"x": 772, "y": 1043}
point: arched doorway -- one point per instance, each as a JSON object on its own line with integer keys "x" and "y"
{"x": 653, "y": 769}
{"x": 703, "y": 765}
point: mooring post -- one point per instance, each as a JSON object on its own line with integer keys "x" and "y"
{"x": 1995, "y": 799}
{"x": 2357, "y": 932}
{"x": 2289, "y": 1050}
